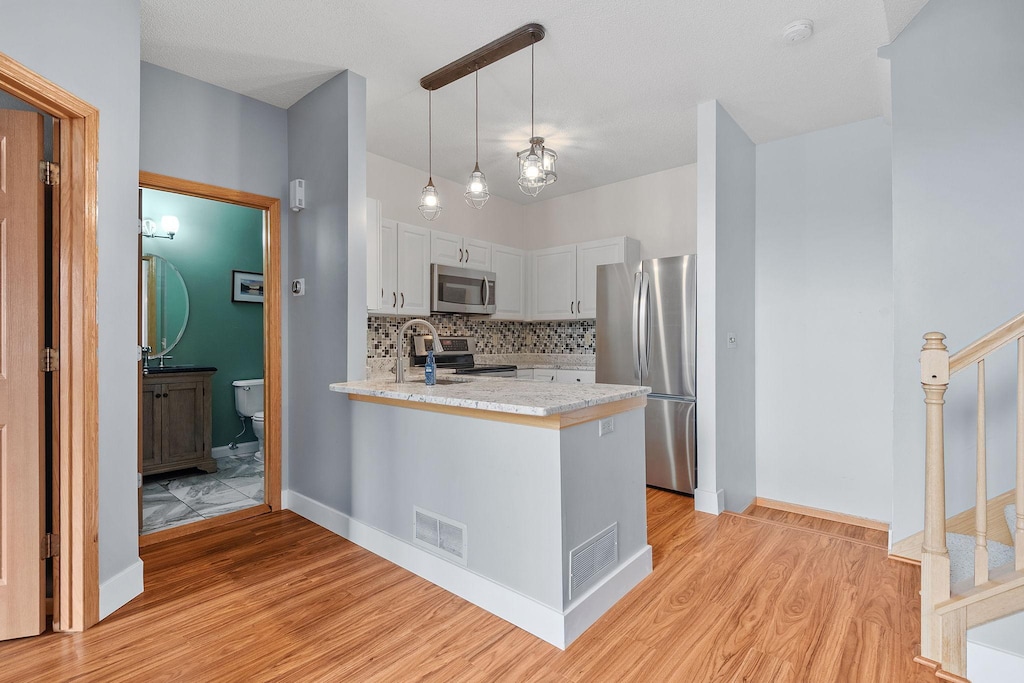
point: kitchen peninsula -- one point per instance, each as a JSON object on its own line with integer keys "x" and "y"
{"x": 525, "y": 498}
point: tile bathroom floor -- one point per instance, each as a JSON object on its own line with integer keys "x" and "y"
{"x": 172, "y": 501}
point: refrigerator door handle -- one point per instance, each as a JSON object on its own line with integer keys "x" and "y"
{"x": 645, "y": 325}
{"x": 637, "y": 284}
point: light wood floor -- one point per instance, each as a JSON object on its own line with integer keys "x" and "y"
{"x": 874, "y": 537}
{"x": 732, "y": 598}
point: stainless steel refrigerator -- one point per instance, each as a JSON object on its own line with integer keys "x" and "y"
{"x": 647, "y": 336}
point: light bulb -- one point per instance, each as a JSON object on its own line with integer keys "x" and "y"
{"x": 169, "y": 224}
{"x": 475, "y": 186}
{"x": 430, "y": 200}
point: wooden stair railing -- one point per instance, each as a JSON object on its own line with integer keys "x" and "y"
{"x": 945, "y": 617}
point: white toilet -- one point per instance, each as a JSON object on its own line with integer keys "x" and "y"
{"x": 249, "y": 403}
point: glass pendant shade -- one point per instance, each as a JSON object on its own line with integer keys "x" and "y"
{"x": 430, "y": 203}
{"x": 476, "y": 189}
{"x": 536, "y": 167}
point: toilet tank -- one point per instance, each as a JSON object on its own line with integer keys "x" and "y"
{"x": 248, "y": 396}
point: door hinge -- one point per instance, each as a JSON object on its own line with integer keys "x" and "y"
{"x": 49, "y": 173}
{"x": 51, "y": 546}
{"x": 50, "y": 360}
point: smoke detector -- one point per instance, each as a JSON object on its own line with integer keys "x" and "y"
{"x": 798, "y": 31}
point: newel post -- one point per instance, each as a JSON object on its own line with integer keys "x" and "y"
{"x": 935, "y": 557}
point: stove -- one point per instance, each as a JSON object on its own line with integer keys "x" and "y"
{"x": 456, "y": 353}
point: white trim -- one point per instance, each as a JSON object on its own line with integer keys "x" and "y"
{"x": 545, "y": 622}
{"x": 120, "y": 589}
{"x": 243, "y": 448}
{"x": 711, "y": 502}
{"x": 991, "y": 665}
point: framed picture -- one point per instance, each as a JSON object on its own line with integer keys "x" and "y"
{"x": 246, "y": 287}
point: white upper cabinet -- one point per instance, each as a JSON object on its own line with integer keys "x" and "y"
{"x": 455, "y": 250}
{"x": 509, "y": 265}
{"x": 400, "y": 275}
{"x": 565, "y": 278}
{"x": 554, "y": 283}
{"x": 374, "y": 286}
{"x": 589, "y": 256}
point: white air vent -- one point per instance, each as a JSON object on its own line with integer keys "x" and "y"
{"x": 443, "y": 536}
{"x": 588, "y": 560}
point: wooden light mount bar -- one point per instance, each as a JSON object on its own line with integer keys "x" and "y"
{"x": 508, "y": 44}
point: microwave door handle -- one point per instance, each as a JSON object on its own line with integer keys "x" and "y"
{"x": 487, "y": 291}
{"x": 635, "y": 341}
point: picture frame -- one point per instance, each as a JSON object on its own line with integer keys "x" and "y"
{"x": 246, "y": 287}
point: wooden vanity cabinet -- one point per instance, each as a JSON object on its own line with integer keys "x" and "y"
{"x": 177, "y": 428}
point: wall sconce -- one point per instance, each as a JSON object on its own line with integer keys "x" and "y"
{"x": 168, "y": 224}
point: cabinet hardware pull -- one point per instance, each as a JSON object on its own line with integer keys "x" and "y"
{"x": 403, "y": 300}
{"x": 579, "y": 308}
{"x": 467, "y": 256}
{"x": 394, "y": 299}
{"x": 460, "y": 255}
{"x": 381, "y": 292}
{"x": 571, "y": 304}
{"x": 165, "y": 394}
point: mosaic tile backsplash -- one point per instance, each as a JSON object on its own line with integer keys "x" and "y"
{"x": 492, "y": 336}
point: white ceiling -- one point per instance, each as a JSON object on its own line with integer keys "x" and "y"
{"x": 617, "y": 82}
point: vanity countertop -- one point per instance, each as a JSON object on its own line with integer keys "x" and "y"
{"x": 171, "y": 369}
{"x": 497, "y": 394}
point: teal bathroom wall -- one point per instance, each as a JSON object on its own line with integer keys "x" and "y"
{"x": 214, "y": 239}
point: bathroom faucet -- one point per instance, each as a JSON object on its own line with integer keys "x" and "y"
{"x": 399, "y": 370}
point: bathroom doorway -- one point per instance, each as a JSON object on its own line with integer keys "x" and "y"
{"x": 209, "y": 385}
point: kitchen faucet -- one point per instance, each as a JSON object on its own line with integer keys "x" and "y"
{"x": 399, "y": 370}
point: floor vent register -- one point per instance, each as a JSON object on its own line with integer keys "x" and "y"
{"x": 441, "y": 535}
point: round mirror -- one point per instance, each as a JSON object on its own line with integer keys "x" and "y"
{"x": 164, "y": 305}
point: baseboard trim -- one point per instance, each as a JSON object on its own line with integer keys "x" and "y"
{"x": 543, "y": 621}
{"x": 243, "y": 448}
{"x": 711, "y": 502}
{"x": 807, "y": 511}
{"x": 120, "y": 589}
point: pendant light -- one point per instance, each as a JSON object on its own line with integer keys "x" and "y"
{"x": 537, "y": 162}
{"x": 476, "y": 189}
{"x": 430, "y": 202}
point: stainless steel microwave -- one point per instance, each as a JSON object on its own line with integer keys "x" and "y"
{"x": 461, "y": 290}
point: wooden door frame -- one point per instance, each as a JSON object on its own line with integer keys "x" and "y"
{"x": 76, "y": 437}
{"x": 271, "y": 208}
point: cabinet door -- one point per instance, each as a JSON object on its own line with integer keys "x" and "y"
{"x": 151, "y": 424}
{"x": 575, "y": 376}
{"x": 446, "y": 249}
{"x": 477, "y": 254}
{"x": 183, "y": 422}
{"x": 554, "y": 283}
{"x": 374, "y": 288}
{"x": 388, "y": 266}
{"x": 589, "y": 256}
{"x": 413, "y": 270}
{"x": 509, "y": 266}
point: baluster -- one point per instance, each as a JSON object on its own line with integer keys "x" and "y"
{"x": 981, "y": 497}
{"x": 935, "y": 556}
{"x": 1018, "y": 540}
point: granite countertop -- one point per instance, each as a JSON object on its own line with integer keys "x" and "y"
{"x": 497, "y": 394}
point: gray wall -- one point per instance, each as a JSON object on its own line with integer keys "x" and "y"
{"x": 824, "y": 382}
{"x": 327, "y": 148}
{"x": 197, "y": 131}
{"x": 725, "y": 304}
{"x": 958, "y": 204}
{"x": 92, "y": 50}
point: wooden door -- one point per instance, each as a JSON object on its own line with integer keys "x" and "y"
{"x": 151, "y": 425}
{"x": 22, "y": 571}
{"x": 183, "y": 422}
{"x": 509, "y": 269}
{"x": 477, "y": 254}
{"x": 446, "y": 249}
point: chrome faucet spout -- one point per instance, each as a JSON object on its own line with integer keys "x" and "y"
{"x": 399, "y": 369}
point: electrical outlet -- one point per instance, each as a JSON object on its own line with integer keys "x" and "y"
{"x": 730, "y": 340}
{"x": 606, "y": 426}
{"x": 299, "y": 287}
